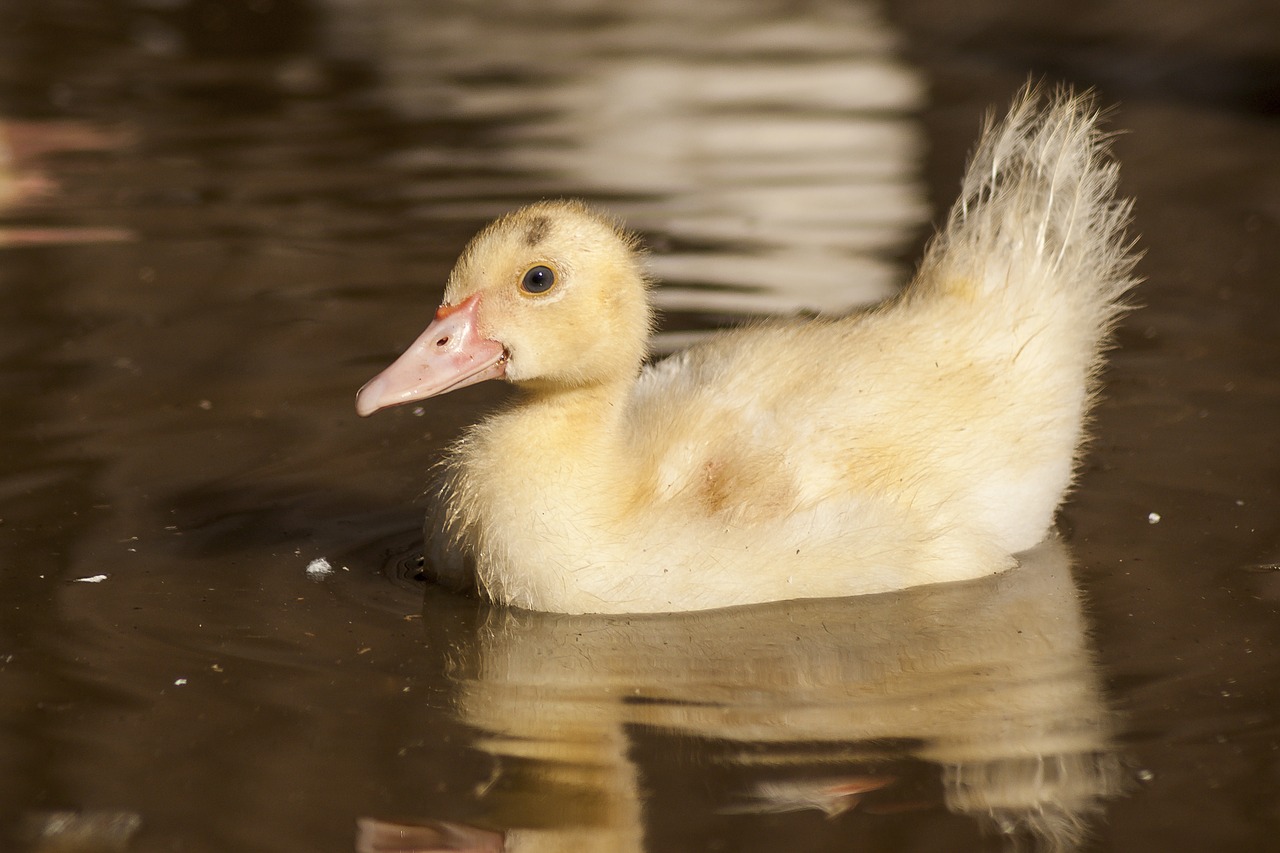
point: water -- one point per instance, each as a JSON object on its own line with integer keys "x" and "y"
{"x": 220, "y": 218}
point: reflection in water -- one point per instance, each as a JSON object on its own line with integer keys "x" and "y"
{"x": 24, "y": 187}
{"x": 770, "y": 153}
{"x": 831, "y": 703}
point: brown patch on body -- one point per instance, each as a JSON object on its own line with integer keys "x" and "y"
{"x": 536, "y": 230}
{"x": 714, "y": 491}
{"x": 743, "y": 489}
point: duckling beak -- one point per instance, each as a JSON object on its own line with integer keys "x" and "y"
{"x": 450, "y": 354}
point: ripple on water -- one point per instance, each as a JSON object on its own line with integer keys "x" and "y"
{"x": 784, "y": 146}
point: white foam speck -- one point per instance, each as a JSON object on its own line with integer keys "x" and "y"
{"x": 319, "y": 569}
{"x": 92, "y": 579}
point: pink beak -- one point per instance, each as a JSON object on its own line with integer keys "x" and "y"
{"x": 449, "y": 355}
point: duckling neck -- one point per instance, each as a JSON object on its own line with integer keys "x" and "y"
{"x": 548, "y": 478}
{"x": 576, "y": 413}
{"x": 560, "y": 438}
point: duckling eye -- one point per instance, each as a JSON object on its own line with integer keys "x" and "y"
{"x": 538, "y": 279}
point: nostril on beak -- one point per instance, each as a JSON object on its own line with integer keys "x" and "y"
{"x": 443, "y": 341}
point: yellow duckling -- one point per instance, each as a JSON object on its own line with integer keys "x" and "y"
{"x": 926, "y": 439}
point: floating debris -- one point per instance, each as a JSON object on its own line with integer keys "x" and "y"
{"x": 319, "y": 569}
{"x": 92, "y": 579}
{"x": 1153, "y": 518}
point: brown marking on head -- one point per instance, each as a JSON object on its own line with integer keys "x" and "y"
{"x": 537, "y": 229}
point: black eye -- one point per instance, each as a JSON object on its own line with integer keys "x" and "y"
{"x": 538, "y": 280}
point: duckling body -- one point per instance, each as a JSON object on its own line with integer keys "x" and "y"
{"x": 927, "y": 439}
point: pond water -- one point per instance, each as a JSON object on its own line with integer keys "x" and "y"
{"x": 221, "y": 216}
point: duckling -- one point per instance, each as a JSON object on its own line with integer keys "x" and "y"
{"x": 927, "y": 439}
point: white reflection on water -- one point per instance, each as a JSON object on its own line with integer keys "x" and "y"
{"x": 769, "y": 148}
{"x": 991, "y": 682}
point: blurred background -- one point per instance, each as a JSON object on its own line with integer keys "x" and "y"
{"x": 219, "y": 217}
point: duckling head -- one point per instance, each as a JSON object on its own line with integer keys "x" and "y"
{"x": 550, "y": 296}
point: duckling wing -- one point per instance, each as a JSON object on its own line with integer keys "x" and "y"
{"x": 729, "y": 428}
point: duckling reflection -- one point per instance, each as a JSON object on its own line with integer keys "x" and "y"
{"x": 988, "y": 683}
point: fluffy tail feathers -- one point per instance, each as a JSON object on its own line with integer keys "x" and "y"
{"x": 1038, "y": 225}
